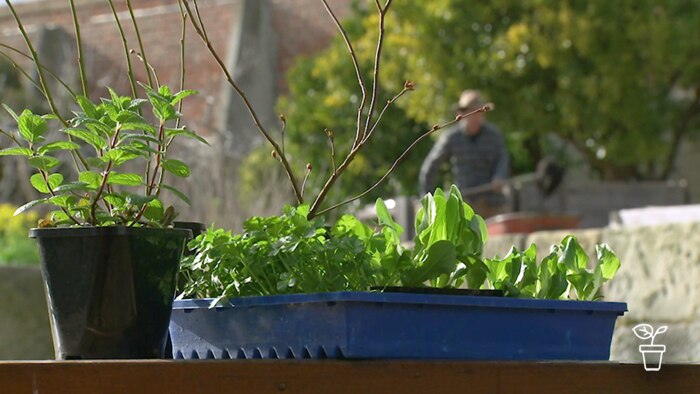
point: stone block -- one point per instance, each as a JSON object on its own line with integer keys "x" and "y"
{"x": 660, "y": 273}
{"x": 25, "y": 333}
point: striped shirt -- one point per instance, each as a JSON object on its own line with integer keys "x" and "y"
{"x": 475, "y": 160}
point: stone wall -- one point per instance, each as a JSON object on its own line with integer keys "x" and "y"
{"x": 24, "y": 321}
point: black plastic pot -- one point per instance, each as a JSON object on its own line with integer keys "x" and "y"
{"x": 109, "y": 289}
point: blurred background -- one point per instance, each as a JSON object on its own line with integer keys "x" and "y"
{"x": 608, "y": 91}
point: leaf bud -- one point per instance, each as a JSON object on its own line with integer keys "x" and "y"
{"x": 274, "y": 154}
{"x": 282, "y": 118}
{"x": 408, "y": 85}
{"x": 308, "y": 166}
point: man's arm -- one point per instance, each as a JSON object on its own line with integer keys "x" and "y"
{"x": 430, "y": 170}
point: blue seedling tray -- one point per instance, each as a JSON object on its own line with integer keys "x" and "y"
{"x": 368, "y": 325}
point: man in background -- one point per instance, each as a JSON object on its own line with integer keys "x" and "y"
{"x": 478, "y": 157}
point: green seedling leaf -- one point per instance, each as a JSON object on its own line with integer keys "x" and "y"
{"x": 31, "y": 126}
{"x": 574, "y": 257}
{"x": 16, "y": 151}
{"x": 154, "y": 210}
{"x": 43, "y": 162}
{"x": 30, "y": 205}
{"x": 115, "y": 200}
{"x": 176, "y": 167}
{"x": 608, "y": 262}
{"x": 96, "y": 162}
{"x": 126, "y": 179}
{"x": 182, "y": 196}
{"x": 37, "y": 180}
{"x": 140, "y": 137}
{"x": 440, "y": 258}
{"x": 90, "y": 137}
{"x": 58, "y": 145}
{"x": 164, "y": 91}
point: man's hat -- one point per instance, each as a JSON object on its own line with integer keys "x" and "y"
{"x": 471, "y": 100}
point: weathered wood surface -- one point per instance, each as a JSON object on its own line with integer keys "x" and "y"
{"x": 291, "y": 376}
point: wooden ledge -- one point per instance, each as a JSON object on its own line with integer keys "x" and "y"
{"x": 311, "y": 376}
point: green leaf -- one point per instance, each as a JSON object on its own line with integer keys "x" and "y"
{"x": 87, "y": 106}
{"x": 37, "y": 180}
{"x": 138, "y": 200}
{"x": 16, "y": 151}
{"x": 58, "y": 145}
{"x": 181, "y": 95}
{"x": 31, "y": 126}
{"x": 140, "y": 137}
{"x": 119, "y": 156}
{"x": 30, "y": 205}
{"x": 440, "y": 258}
{"x": 88, "y": 136}
{"x": 164, "y": 91}
{"x": 92, "y": 179}
{"x": 96, "y": 162}
{"x": 185, "y": 133}
{"x": 63, "y": 201}
{"x": 574, "y": 257}
{"x": 607, "y": 260}
{"x": 43, "y": 162}
{"x": 176, "y": 167}
{"x": 127, "y": 179}
{"x": 74, "y": 187}
{"x": 182, "y": 196}
{"x": 115, "y": 200}
{"x": 154, "y": 210}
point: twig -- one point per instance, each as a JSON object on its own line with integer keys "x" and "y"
{"x": 35, "y": 83}
{"x": 329, "y": 133}
{"x": 306, "y": 177}
{"x": 408, "y": 86}
{"x": 359, "y": 132}
{"x": 79, "y": 46}
{"x": 138, "y": 39}
{"x": 182, "y": 57}
{"x": 129, "y": 69}
{"x": 400, "y": 159}
{"x": 377, "y": 58}
{"x": 248, "y": 105}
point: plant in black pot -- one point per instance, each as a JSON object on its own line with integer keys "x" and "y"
{"x": 109, "y": 252}
{"x": 110, "y": 249}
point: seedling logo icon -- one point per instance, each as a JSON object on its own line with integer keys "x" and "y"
{"x": 652, "y": 354}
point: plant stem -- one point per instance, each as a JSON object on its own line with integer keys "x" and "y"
{"x": 200, "y": 31}
{"x": 140, "y": 42}
{"x": 358, "y": 73}
{"x": 316, "y": 211}
{"x": 182, "y": 57}
{"x": 42, "y": 81}
{"x": 79, "y": 46}
{"x": 45, "y": 177}
{"x": 377, "y": 58}
{"x": 34, "y": 82}
{"x": 129, "y": 69}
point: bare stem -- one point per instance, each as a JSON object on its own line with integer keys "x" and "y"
{"x": 200, "y": 31}
{"x": 306, "y": 177}
{"x": 435, "y": 128}
{"x": 358, "y": 73}
{"x": 377, "y": 58}
{"x": 182, "y": 57}
{"x": 79, "y": 46}
{"x": 35, "y": 83}
{"x": 138, "y": 38}
{"x": 42, "y": 81}
{"x": 388, "y": 103}
{"x": 331, "y": 140}
{"x": 45, "y": 177}
{"x": 129, "y": 69}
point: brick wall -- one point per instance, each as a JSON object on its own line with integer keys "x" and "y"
{"x": 302, "y": 28}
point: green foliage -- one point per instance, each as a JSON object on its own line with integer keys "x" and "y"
{"x": 118, "y": 134}
{"x": 15, "y": 246}
{"x": 563, "y": 273}
{"x": 292, "y": 254}
{"x": 614, "y": 79}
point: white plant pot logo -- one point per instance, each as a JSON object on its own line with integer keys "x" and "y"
{"x": 651, "y": 353}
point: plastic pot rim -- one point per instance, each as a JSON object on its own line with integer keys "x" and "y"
{"x": 95, "y": 231}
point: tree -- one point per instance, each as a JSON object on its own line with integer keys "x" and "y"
{"x": 615, "y": 80}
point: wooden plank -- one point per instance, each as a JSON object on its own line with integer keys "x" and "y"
{"x": 312, "y": 376}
